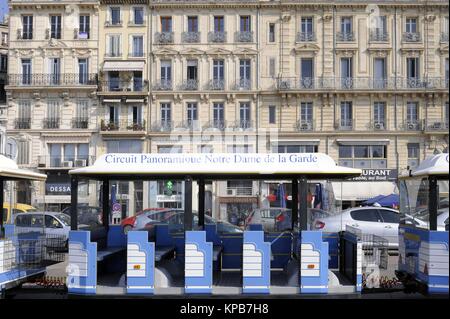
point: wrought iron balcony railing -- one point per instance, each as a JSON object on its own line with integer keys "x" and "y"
{"x": 190, "y": 37}
{"x": 80, "y": 123}
{"x": 51, "y": 122}
{"x": 65, "y": 162}
{"x": 345, "y": 124}
{"x": 122, "y": 125}
{"x": 304, "y": 125}
{"x": 123, "y": 86}
{"x": 193, "y": 125}
{"x": 436, "y": 125}
{"x": 411, "y": 37}
{"x": 306, "y": 37}
{"x": 189, "y": 85}
{"x": 243, "y": 84}
{"x": 164, "y": 37}
{"x": 241, "y": 125}
{"x": 217, "y": 85}
{"x": 65, "y": 79}
{"x": 163, "y": 85}
{"x": 216, "y": 125}
{"x": 22, "y": 123}
{"x": 244, "y": 36}
{"x": 379, "y": 36}
{"x": 379, "y": 125}
{"x": 217, "y": 37}
{"x": 345, "y": 36}
{"x": 162, "y": 126}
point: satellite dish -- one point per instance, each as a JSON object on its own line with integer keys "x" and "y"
{"x": 11, "y": 148}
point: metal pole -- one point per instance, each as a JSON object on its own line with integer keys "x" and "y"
{"x": 294, "y": 203}
{"x": 201, "y": 204}
{"x": 303, "y": 203}
{"x": 105, "y": 204}
{"x": 2, "y": 188}
{"x": 433, "y": 202}
{"x": 187, "y": 203}
{"x": 73, "y": 203}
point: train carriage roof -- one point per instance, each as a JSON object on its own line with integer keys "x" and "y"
{"x": 10, "y": 171}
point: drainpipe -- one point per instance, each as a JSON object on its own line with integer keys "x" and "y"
{"x": 397, "y": 163}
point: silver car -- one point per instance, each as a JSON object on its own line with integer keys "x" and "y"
{"x": 267, "y": 217}
{"x": 48, "y": 223}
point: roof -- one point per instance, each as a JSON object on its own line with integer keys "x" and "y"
{"x": 10, "y": 171}
{"x": 214, "y": 166}
{"x": 436, "y": 165}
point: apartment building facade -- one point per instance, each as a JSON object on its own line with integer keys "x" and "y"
{"x": 4, "y": 32}
{"x": 366, "y": 83}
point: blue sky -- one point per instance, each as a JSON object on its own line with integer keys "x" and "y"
{"x": 3, "y": 8}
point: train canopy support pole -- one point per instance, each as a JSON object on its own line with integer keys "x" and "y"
{"x": 433, "y": 202}
{"x": 73, "y": 203}
{"x": 303, "y": 203}
{"x": 201, "y": 204}
{"x": 2, "y": 188}
{"x": 294, "y": 203}
{"x": 188, "y": 203}
{"x": 105, "y": 203}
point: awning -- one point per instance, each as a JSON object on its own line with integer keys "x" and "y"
{"x": 112, "y": 100}
{"x": 10, "y": 171}
{"x": 361, "y": 191}
{"x": 123, "y": 66}
{"x": 134, "y": 101}
{"x": 342, "y": 141}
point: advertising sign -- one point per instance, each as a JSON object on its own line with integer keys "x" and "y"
{"x": 377, "y": 175}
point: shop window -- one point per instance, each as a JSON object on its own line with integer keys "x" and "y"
{"x": 363, "y": 156}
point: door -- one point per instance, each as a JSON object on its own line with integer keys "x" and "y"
{"x": 307, "y": 74}
{"x": 166, "y": 73}
{"x": 346, "y": 73}
{"x": 391, "y": 221}
{"x": 379, "y": 73}
{"x": 55, "y": 70}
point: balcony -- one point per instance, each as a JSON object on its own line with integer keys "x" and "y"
{"x": 215, "y": 125}
{"x": 22, "y": 123}
{"x": 379, "y": 126}
{"x": 241, "y": 125}
{"x": 379, "y": 36}
{"x": 244, "y": 36}
{"x": 189, "y": 85}
{"x": 306, "y": 37}
{"x": 190, "y": 37}
{"x": 217, "y": 37}
{"x": 345, "y": 36}
{"x": 412, "y": 125}
{"x": 46, "y": 162}
{"x": 411, "y": 37}
{"x": 164, "y": 37}
{"x": 115, "y": 23}
{"x": 80, "y": 123}
{"x": 66, "y": 79}
{"x": 51, "y": 123}
{"x": 444, "y": 37}
{"x": 436, "y": 126}
{"x": 124, "y": 125}
{"x": 240, "y": 191}
{"x": 304, "y": 125}
{"x": 191, "y": 125}
{"x": 344, "y": 125}
{"x": 123, "y": 86}
{"x": 216, "y": 85}
{"x": 163, "y": 85}
{"x": 162, "y": 126}
{"x": 243, "y": 84}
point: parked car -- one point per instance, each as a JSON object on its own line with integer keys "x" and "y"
{"x": 17, "y": 208}
{"x": 267, "y": 217}
{"x": 283, "y": 221}
{"x": 142, "y": 218}
{"x": 90, "y": 216}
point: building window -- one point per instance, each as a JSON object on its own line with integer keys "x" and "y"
{"x": 166, "y": 24}
{"x": 306, "y": 113}
{"x": 219, "y": 24}
{"x": 245, "y": 24}
{"x": 307, "y": 75}
{"x": 411, "y": 25}
{"x": 53, "y": 114}
{"x": 295, "y": 149}
{"x": 306, "y": 29}
{"x": 379, "y": 115}
{"x": 219, "y": 115}
{"x": 346, "y": 73}
{"x": 379, "y": 72}
{"x": 166, "y": 115}
{"x": 113, "y": 115}
{"x": 23, "y": 152}
{"x": 115, "y": 15}
{"x": 24, "y": 115}
{"x": 82, "y": 111}
{"x": 192, "y": 24}
{"x": 27, "y": 25}
{"x": 192, "y": 112}
{"x": 446, "y": 115}
{"x": 244, "y": 115}
{"x": 363, "y": 156}
{"x": 245, "y": 74}
{"x": 124, "y": 146}
{"x": 413, "y": 155}
{"x": 55, "y": 27}
{"x": 412, "y": 112}
{"x": 84, "y": 30}
{"x": 114, "y": 46}
{"x": 4, "y": 63}
{"x": 272, "y": 66}
{"x": 346, "y": 115}
{"x": 166, "y": 72}
{"x": 272, "y": 32}
{"x": 55, "y": 70}
{"x": 83, "y": 71}
{"x": 138, "y": 15}
{"x": 412, "y": 72}
{"x": 346, "y": 29}
{"x": 272, "y": 114}
{"x": 218, "y": 70}
{"x": 5, "y": 38}
{"x": 192, "y": 71}
{"x": 138, "y": 46}
{"x": 26, "y": 71}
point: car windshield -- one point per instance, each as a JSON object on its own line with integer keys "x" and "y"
{"x": 65, "y": 219}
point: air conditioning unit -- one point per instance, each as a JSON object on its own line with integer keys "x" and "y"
{"x": 67, "y": 164}
{"x": 285, "y": 85}
{"x": 379, "y": 126}
{"x": 305, "y": 126}
{"x": 80, "y": 163}
{"x": 437, "y": 125}
{"x": 411, "y": 126}
{"x": 231, "y": 192}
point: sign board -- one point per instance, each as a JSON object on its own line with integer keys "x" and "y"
{"x": 57, "y": 188}
{"x": 238, "y": 200}
{"x": 166, "y": 198}
{"x": 377, "y": 175}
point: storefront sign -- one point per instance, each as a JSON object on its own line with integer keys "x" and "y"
{"x": 378, "y": 175}
{"x": 238, "y": 200}
{"x": 57, "y": 189}
{"x": 166, "y": 198}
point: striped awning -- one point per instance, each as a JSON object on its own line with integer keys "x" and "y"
{"x": 123, "y": 66}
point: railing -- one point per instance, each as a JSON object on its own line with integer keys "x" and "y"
{"x": 164, "y": 37}
{"x": 241, "y": 125}
{"x": 77, "y": 35}
{"x": 444, "y": 37}
{"x": 190, "y": 37}
{"x": 380, "y": 36}
{"x": 123, "y": 86}
{"x": 306, "y": 37}
{"x": 345, "y": 36}
{"x": 51, "y": 123}
{"x": 412, "y": 125}
{"x": 243, "y": 84}
{"x": 65, "y": 162}
{"x": 189, "y": 125}
{"x": 162, "y": 126}
{"x": 22, "y": 123}
{"x": 304, "y": 125}
{"x": 80, "y": 123}
{"x": 244, "y": 36}
{"x": 411, "y": 37}
{"x": 344, "y": 124}
{"x": 217, "y": 37}
{"x": 189, "y": 85}
{"x": 215, "y": 124}
{"x": 379, "y": 126}
{"x": 216, "y": 85}
{"x": 240, "y": 191}
{"x": 163, "y": 85}
{"x": 52, "y": 79}
{"x": 113, "y": 23}
{"x": 124, "y": 125}
{"x": 436, "y": 125}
